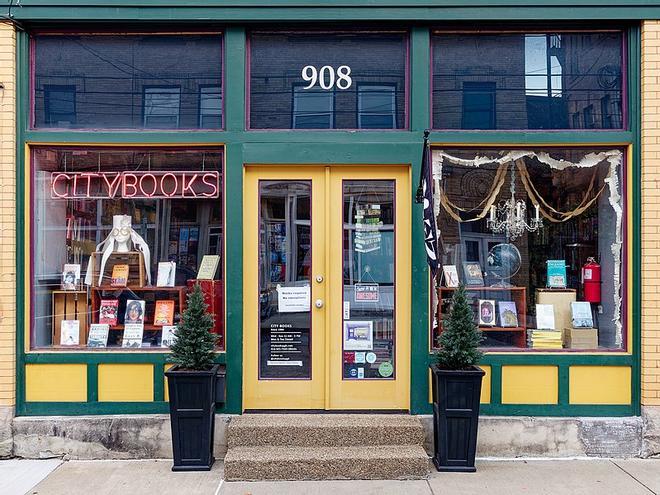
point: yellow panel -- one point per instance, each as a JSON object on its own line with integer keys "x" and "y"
{"x": 167, "y": 390}
{"x": 599, "y": 385}
{"x": 529, "y": 384}
{"x": 56, "y": 383}
{"x": 126, "y": 382}
{"x": 485, "y": 386}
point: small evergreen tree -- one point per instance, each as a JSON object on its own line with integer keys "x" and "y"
{"x": 460, "y": 338}
{"x": 193, "y": 348}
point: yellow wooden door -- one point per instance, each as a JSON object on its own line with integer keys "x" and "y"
{"x": 369, "y": 288}
{"x": 326, "y": 290}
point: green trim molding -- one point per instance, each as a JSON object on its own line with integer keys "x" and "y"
{"x": 319, "y": 147}
{"x": 330, "y": 10}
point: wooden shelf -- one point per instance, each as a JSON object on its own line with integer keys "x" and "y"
{"x": 503, "y": 329}
{"x": 141, "y": 289}
{"x": 469, "y": 288}
{"x": 178, "y": 294}
{"x": 147, "y": 327}
{"x": 516, "y": 294}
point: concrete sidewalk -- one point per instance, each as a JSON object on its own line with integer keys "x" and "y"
{"x": 510, "y": 477}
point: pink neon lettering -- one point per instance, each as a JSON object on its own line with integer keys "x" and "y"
{"x": 155, "y": 185}
{"x": 214, "y": 184}
{"x": 88, "y": 176}
{"x": 133, "y": 185}
{"x": 112, "y": 186}
{"x": 162, "y": 184}
{"x": 188, "y": 187}
{"x": 54, "y": 179}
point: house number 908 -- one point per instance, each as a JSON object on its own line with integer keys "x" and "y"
{"x": 326, "y": 77}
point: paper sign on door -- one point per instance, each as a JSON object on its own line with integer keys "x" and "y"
{"x": 293, "y": 299}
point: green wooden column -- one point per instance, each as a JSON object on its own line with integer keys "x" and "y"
{"x": 420, "y": 117}
{"x": 235, "y": 125}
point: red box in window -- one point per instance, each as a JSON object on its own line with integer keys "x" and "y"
{"x": 214, "y": 297}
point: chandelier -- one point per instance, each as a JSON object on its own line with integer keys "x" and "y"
{"x": 510, "y": 217}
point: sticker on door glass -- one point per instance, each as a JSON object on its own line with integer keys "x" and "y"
{"x": 293, "y": 299}
{"x": 386, "y": 369}
{"x": 358, "y": 335}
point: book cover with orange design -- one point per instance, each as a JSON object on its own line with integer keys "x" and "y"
{"x": 119, "y": 276}
{"x": 164, "y": 313}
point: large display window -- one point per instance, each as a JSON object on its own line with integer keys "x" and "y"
{"x": 328, "y": 80}
{"x": 136, "y": 81}
{"x": 118, "y": 236}
{"x": 528, "y": 80}
{"x": 537, "y": 237}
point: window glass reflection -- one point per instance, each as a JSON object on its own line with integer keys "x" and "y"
{"x": 527, "y": 81}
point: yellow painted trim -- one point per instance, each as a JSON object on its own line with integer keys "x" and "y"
{"x": 600, "y": 385}
{"x": 56, "y": 382}
{"x": 126, "y": 382}
{"x": 629, "y": 302}
{"x": 530, "y": 384}
{"x": 27, "y": 272}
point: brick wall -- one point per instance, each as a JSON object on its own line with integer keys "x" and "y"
{"x": 7, "y": 215}
{"x": 650, "y": 213}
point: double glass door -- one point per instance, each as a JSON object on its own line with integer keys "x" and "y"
{"x": 326, "y": 287}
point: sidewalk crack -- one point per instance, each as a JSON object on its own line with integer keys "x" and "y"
{"x": 621, "y": 468}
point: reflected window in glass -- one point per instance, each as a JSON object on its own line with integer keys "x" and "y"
{"x": 328, "y": 80}
{"x": 114, "y": 80}
{"x": 536, "y": 80}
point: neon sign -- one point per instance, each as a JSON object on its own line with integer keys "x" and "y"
{"x": 133, "y": 185}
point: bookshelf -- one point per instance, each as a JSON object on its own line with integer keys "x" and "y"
{"x": 517, "y": 335}
{"x": 149, "y": 294}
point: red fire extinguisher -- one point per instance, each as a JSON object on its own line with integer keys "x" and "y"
{"x": 591, "y": 281}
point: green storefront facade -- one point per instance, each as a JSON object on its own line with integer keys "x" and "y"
{"x": 242, "y": 147}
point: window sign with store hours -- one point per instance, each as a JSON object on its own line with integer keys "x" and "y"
{"x": 328, "y": 80}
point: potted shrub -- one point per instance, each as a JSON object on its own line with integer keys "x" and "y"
{"x": 191, "y": 385}
{"x": 457, "y": 388}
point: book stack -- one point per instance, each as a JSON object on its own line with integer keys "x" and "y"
{"x": 544, "y": 339}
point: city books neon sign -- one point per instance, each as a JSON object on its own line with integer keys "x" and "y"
{"x": 129, "y": 185}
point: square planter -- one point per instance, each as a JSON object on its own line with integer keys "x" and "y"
{"x": 192, "y": 414}
{"x": 456, "y": 397}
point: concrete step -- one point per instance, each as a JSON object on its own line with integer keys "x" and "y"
{"x": 324, "y": 430}
{"x": 325, "y": 463}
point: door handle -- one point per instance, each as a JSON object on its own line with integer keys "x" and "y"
{"x": 319, "y": 303}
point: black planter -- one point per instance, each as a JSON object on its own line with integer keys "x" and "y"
{"x": 192, "y": 414}
{"x": 456, "y": 397}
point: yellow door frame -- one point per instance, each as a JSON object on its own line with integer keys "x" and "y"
{"x": 326, "y": 389}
